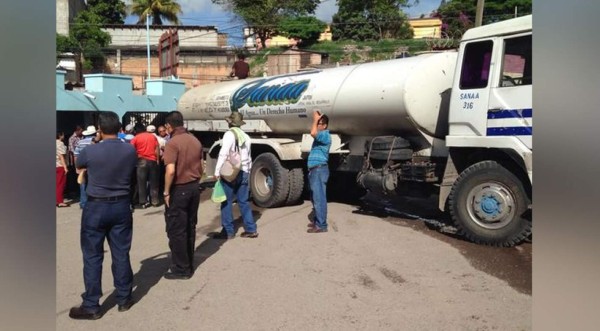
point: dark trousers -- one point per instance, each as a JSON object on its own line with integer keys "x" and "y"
{"x": 147, "y": 175}
{"x": 111, "y": 220}
{"x": 181, "y": 218}
{"x": 72, "y": 188}
{"x": 161, "y": 176}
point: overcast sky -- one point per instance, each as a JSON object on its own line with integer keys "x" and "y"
{"x": 204, "y": 12}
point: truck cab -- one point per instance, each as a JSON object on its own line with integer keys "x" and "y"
{"x": 489, "y": 174}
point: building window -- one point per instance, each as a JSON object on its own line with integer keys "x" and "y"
{"x": 516, "y": 62}
{"x": 475, "y": 70}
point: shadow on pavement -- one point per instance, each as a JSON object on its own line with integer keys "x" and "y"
{"x": 149, "y": 274}
{"x": 237, "y": 223}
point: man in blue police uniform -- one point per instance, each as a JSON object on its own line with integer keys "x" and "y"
{"x": 318, "y": 171}
{"x": 110, "y": 165}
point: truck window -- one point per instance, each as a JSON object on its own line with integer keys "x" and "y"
{"x": 476, "y": 65}
{"x": 516, "y": 62}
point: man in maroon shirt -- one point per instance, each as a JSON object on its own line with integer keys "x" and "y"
{"x": 183, "y": 162}
{"x": 148, "y": 152}
{"x": 240, "y": 68}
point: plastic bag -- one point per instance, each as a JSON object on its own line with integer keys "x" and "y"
{"x": 218, "y": 194}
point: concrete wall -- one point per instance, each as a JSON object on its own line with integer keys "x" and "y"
{"x": 65, "y": 13}
{"x": 291, "y": 61}
{"x": 195, "y": 68}
{"x": 189, "y": 36}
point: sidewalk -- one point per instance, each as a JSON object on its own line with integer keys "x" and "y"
{"x": 364, "y": 274}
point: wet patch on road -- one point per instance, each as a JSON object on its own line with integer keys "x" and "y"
{"x": 334, "y": 226}
{"x": 392, "y": 275}
{"x": 511, "y": 264}
{"x": 367, "y": 282}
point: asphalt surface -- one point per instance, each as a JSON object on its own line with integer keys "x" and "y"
{"x": 400, "y": 270}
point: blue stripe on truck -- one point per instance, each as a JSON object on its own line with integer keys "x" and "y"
{"x": 511, "y": 113}
{"x": 510, "y": 131}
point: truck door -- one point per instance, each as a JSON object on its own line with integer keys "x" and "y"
{"x": 470, "y": 95}
{"x": 510, "y": 105}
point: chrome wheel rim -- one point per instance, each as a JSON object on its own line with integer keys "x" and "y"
{"x": 491, "y": 205}
{"x": 263, "y": 181}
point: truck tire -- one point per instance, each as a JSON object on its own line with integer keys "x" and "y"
{"x": 402, "y": 154}
{"x": 386, "y": 144}
{"x": 296, "y": 181}
{"x": 487, "y": 203}
{"x": 269, "y": 181}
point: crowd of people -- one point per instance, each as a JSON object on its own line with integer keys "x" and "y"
{"x": 149, "y": 147}
{"x": 116, "y": 166}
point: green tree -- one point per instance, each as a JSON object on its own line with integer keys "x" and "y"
{"x": 66, "y": 44}
{"x": 90, "y": 39}
{"x": 306, "y": 28}
{"x": 111, "y": 11}
{"x": 159, "y": 10}
{"x": 459, "y": 15}
{"x": 264, "y": 16}
{"x": 371, "y": 20}
{"x": 86, "y": 37}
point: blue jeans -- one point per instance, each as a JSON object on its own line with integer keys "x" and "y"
{"x": 238, "y": 188}
{"x": 82, "y": 195}
{"x": 113, "y": 221}
{"x": 317, "y": 178}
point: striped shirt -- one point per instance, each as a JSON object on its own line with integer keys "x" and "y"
{"x": 83, "y": 143}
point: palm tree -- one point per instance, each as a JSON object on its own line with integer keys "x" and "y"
{"x": 159, "y": 10}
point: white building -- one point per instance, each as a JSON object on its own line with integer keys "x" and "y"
{"x": 65, "y": 14}
{"x": 134, "y": 36}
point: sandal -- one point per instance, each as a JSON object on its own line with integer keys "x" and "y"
{"x": 62, "y": 205}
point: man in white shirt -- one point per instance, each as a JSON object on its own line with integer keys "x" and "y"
{"x": 239, "y": 186}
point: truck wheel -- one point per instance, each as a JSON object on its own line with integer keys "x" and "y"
{"x": 296, "y": 180}
{"x": 488, "y": 203}
{"x": 386, "y": 143}
{"x": 402, "y": 154}
{"x": 269, "y": 181}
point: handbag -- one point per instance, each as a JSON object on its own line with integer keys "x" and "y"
{"x": 232, "y": 165}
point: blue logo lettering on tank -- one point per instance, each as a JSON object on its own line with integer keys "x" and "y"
{"x": 257, "y": 93}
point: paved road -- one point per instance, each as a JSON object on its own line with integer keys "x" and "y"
{"x": 369, "y": 272}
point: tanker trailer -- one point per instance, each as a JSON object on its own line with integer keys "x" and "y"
{"x": 403, "y": 98}
{"x": 429, "y": 124}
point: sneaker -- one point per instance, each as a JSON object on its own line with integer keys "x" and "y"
{"x": 316, "y": 230}
{"x": 222, "y": 235}
{"x": 173, "y": 275}
{"x": 125, "y": 307}
{"x": 142, "y": 206}
{"x": 249, "y": 234}
{"x": 80, "y": 313}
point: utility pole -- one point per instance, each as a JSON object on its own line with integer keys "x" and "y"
{"x": 479, "y": 12}
{"x": 148, "y": 41}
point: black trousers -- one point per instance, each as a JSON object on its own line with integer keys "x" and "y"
{"x": 181, "y": 218}
{"x": 147, "y": 173}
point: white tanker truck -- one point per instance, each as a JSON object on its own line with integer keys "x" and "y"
{"x": 455, "y": 123}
